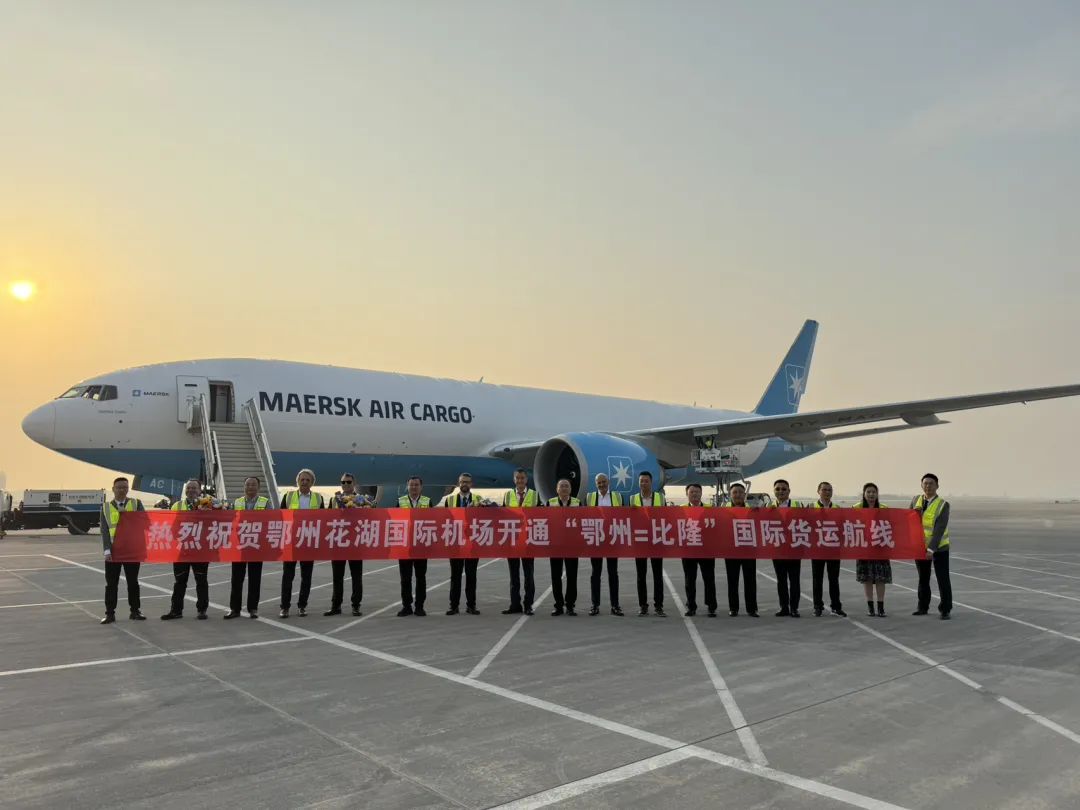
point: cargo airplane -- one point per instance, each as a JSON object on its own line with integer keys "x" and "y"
{"x": 384, "y": 427}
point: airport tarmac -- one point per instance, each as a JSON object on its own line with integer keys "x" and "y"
{"x": 575, "y": 712}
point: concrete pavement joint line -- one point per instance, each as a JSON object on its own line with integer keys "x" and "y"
{"x": 978, "y": 687}
{"x": 1006, "y": 584}
{"x": 500, "y": 645}
{"x": 97, "y": 662}
{"x": 392, "y": 605}
{"x": 266, "y": 704}
{"x": 69, "y": 602}
{"x": 808, "y": 785}
{"x": 1016, "y": 567}
{"x": 1040, "y": 559}
{"x": 596, "y": 781}
{"x": 992, "y": 613}
{"x": 734, "y": 713}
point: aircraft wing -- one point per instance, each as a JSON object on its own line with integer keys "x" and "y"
{"x": 805, "y": 428}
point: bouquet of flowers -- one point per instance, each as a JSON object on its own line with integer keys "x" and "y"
{"x": 355, "y": 501}
{"x": 209, "y": 502}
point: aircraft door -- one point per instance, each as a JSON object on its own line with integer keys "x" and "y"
{"x": 187, "y": 390}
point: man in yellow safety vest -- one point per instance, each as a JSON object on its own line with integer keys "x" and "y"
{"x": 935, "y": 521}
{"x": 110, "y": 517}
{"x": 521, "y": 496}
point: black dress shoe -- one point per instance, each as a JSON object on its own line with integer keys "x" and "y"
{"x": 301, "y": 612}
{"x": 881, "y": 613}
{"x": 452, "y": 612}
{"x": 332, "y": 612}
{"x": 838, "y": 612}
{"x": 283, "y": 613}
{"x": 643, "y": 611}
{"x": 472, "y": 611}
{"x": 818, "y": 611}
{"x": 420, "y": 612}
{"x": 232, "y": 614}
{"x": 660, "y": 612}
{"x": 253, "y": 614}
{"x": 528, "y": 611}
{"x": 405, "y": 611}
{"x": 617, "y": 611}
{"x": 690, "y": 612}
{"x": 783, "y": 612}
{"x": 201, "y": 615}
{"x": 733, "y": 613}
{"x": 920, "y": 612}
{"x": 712, "y": 614}
{"x": 753, "y": 614}
{"x": 945, "y": 616}
{"x": 170, "y": 615}
{"x": 594, "y": 611}
{"x": 136, "y": 616}
{"x": 794, "y": 614}
{"x": 511, "y": 610}
{"x": 557, "y": 612}
{"x": 109, "y": 618}
{"x": 356, "y": 611}
{"x": 571, "y": 612}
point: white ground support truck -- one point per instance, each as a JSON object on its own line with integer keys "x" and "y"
{"x": 77, "y": 510}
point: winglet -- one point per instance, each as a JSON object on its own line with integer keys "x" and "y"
{"x": 789, "y": 383}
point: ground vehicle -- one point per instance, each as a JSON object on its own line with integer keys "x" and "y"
{"x": 77, "y": 510}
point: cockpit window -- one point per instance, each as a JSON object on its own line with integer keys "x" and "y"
{"x": 98, "y": 393}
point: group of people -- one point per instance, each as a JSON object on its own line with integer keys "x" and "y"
{"x": 873, "y": 574}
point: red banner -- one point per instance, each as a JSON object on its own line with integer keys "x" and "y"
{"x": 389, "y": 534}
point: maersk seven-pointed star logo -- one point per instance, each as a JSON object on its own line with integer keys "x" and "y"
{"x": 620, "y": 471}
{"x": 796, "y": 383}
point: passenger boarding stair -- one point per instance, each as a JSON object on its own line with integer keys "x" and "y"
{"x": 234, "y": 450}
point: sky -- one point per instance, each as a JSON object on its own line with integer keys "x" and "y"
{"x": 644, "y": 199}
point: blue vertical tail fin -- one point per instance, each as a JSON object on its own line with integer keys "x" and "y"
{"x": 789, "y": 383}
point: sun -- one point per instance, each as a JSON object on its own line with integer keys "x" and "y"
{"x": 22, "y": 290}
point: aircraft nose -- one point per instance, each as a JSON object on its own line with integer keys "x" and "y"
{"x": 40, "y": 424}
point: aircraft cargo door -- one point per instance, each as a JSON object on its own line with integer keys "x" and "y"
{"x": 188, "y": 389}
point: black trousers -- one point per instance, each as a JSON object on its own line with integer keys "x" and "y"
{"x": 788, "y": 587}
{"x": 516, "y": 566}
{"x": 337, "y": 590}
{"x": 469, "y": 568}
{"x": 202, "y": 588}
{"x": 612, "y": 578}
{"x": 288, "y": 573}
{"x": 708, "y": 576}
{"x": 557, "y": 565}
{"x": 253, "y": 572}
{"x": 748, "y": 569}
{"x": 643, "y": 565}
{"x": 940, "y": 564}
{"x": 112, "y": 584}
{"x": 818, "y": 568}
{"x": 406, "y": 570}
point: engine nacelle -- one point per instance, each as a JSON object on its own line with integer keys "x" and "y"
{"x": 580, "y": 456}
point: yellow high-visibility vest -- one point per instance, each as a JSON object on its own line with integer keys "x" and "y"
{"x": 293, "y": 500}
{"x": 929, "y": 517}
{"x": 530, "y": 499}
{"x": 555, "y": 502}
{"x": 423, "y": 502}
{"x": 261, "y": 502}
{"x": 114, "y": 513}
{"x": 593, "y": 498}
{"x": 181, "y": 506}
{"x": 657, "y": 499}
{"x": 454, "y": 500}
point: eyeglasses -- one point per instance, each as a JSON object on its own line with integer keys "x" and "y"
{"x": 346, "y": 481}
